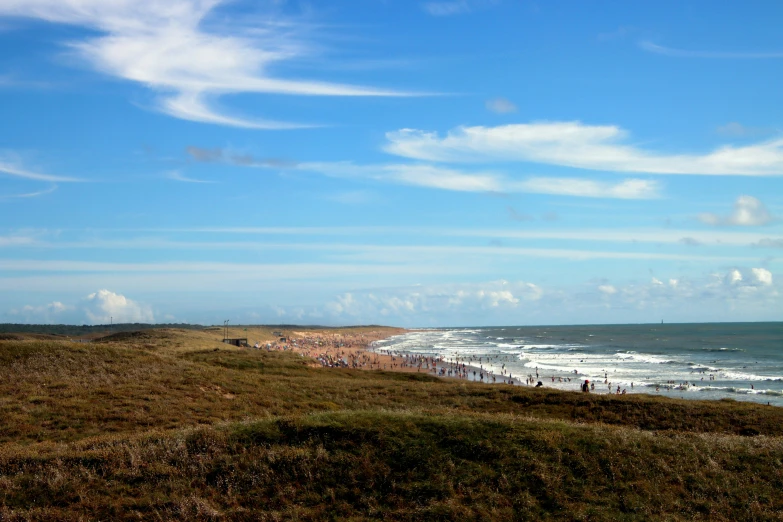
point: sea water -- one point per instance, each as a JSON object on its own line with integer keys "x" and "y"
{"x": 742, "y": 361}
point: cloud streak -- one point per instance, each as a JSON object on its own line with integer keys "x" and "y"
{"x": 16, "y": 241}
{"x": 455, "y": 7}
{"x": 444, "y": 178}
{"x": 501, "y": 106}
{"x": 721, "y": 238}
{"x": 219, "y": 155}
{"x": 682, "y": 53}
{"x": 577, "y": 145}
{"x": 11, "y": 166}
{"x": 736, "y": 129}
{"x": 30, "y": 194}
{"x": 178, "y": 176}
{"x": 166, "y": 47}
{"x": 446, "y": 8}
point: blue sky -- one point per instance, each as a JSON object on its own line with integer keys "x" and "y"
{"x": 468, "y": 162}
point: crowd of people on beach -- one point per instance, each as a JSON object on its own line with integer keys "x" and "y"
{"x": 355, "y": 352}
{"x": 468, "y": 368}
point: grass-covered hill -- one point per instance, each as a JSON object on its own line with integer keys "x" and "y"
{"x": 171, "y": 424}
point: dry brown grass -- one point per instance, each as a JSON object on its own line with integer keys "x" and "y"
{"x": 170, "y": 424}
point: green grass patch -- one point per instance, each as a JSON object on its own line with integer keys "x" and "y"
{"x": 173, "y": 426}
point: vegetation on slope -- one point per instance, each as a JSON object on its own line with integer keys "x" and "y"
{"x": 170, "y": 424}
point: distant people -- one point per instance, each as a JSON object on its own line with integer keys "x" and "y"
{"x": 586, "y": 386}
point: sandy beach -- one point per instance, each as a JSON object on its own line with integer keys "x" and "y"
{"x": 357, "y": 349}
{"x": 341, "y": 348}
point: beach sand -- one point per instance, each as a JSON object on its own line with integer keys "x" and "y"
{"x": 353, "y": 348}
{"x": 348, "y": 345}
{"x": 357, "y": 350}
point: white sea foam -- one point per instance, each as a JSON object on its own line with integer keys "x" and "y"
{"x": 748, "y": 376}
{"x": 549, "y": 346}
{"x": 641, "y": 363}
{"x": 645, "y": 358}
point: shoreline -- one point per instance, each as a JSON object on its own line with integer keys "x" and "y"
{"x": 687, "y": 391}
{"x": 360, "y": 350}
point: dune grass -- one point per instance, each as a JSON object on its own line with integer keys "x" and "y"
{"x": 173, "y": 425}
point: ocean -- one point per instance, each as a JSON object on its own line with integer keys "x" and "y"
{"x": 742, "y": 361}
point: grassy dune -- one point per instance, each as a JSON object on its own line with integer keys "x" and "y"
{"x": 171, "y": 424}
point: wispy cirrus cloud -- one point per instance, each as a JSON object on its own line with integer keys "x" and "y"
{"x": 15, "y": 241}
{"x": 736, "y": 129}
{"x": 11, "y": 165}
{"x": 220, "y": 155}
{"x": 448, "y": 243}
{"x": 445, "y": 178}
{"x": 351, "y": 197}
{"x": 29, "y": 194}
{"x": 178, "y": 176}
{"x": 712, "y": 237}
{"x": 586, "y": 188}
{"x": 501, "y": 106}
{"x": 421, "y": 175}
{"x": 577, "y": 145}
{"x": 684, "y": 53}
{"x": 11, "y": 81}
{"x": 170, "y": 48}
{"x": 204, "y": 155}
{"x": 769, "y": 243}
{"x": 619, "y": 33}
{"x": 446, "y": 8}
{"x": 455, "y": 7}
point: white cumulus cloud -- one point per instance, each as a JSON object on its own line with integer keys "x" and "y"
{"x": 407, "y": 303}
{"x": 734, "y": 277}
{"x": 104, "y": 306}
{"x": 748, "y": 211}
{"x": 762, "y": 276}
{"x": 48, "y": 313}
{"x": 101, "y": 307}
